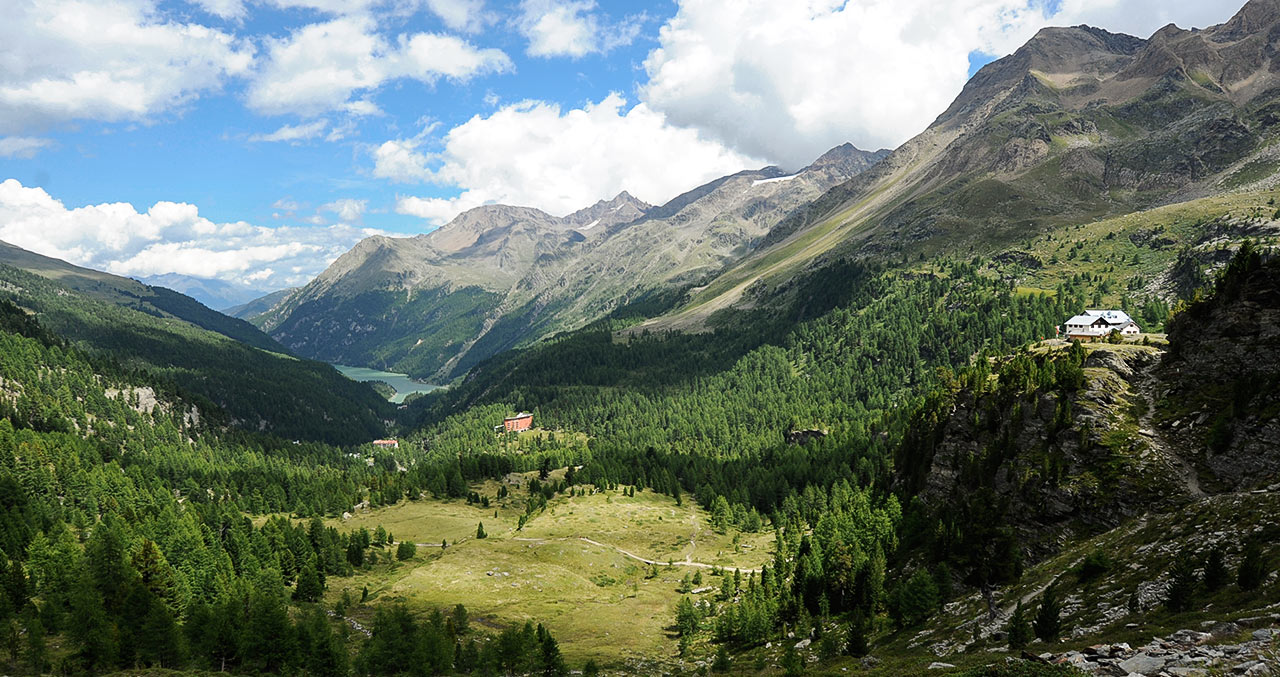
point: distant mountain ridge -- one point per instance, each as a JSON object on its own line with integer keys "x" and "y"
{"x": 217, "y": 294}
{"x": 260, "y": 305}
{"x": 498, "y": 276}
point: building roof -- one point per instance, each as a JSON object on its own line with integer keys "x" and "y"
{"x": 518, "y": 416}
{"x": 1083, "y": 320}
{"x": 1110, "y": 315}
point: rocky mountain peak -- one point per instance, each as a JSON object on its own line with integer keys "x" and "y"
{"x": 1255, "y": 17}
{"x": 623, "y": 208}
{"x": 846, "y": 160}
{"x": 468, "y": 227}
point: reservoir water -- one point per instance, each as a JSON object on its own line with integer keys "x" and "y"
{"x": 404, "y": 385}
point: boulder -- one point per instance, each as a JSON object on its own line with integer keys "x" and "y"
{"x": 1143, "y": 664}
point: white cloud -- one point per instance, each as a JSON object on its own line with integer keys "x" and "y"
{"x": 572, "y": 28}
{"x": 537, "y": 155}
{"x": 1144, "y": 17}
{"x": 400, "y": 161}
{"x": 347, "y": 209}
{"x": 788, "y": 80}
{"x": 319, "y": 67}
{"x": 294, "y": 133}
{"x": 460, "y": 15}
{"x": 168, "y": 238}
{"x": 105, "y": 60}
{"x": 22, "y": 146}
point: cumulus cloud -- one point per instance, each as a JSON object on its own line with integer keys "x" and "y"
{"x": 169, "y": 237}
{"x": 105, "y": 60}
{"x": 347, "y": 209}
{"x": 788, "y": 80}
{"x": 319, "y": 67}
{"x": 399, "y": 160}
{"x": 460, "y": 15}
{"x": 535, "y": 154}
{"x": 22, "y": 146}
{"x": 572, "y": 28}
{"x": 294, "y": 133}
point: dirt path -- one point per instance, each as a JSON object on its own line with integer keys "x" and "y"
{"x": 685, "y": 563}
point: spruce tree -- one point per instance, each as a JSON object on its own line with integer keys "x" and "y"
{"x": 308, "y": 588}
{"x": 792, "y": 662}
{"x": 1048, "y": 623}
{"x": 1253, "y": 567}
{"x": 1182, "y": 586}
{"x": 1019, "y": 630}
{"x": 480, "y": 531}
{"x": 917, "y": 598}
{"x": 721, "y": 663}
{"x": 859, "y": 644}
{"x": 1215, "y": 569}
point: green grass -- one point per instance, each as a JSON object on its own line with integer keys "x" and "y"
{"x": 598, "y": 602}
{"x": 1251, "y": 173}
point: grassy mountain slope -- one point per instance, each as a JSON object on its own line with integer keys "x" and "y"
{"x": 1077, "y": 125}
{"x": 229, "y": 362}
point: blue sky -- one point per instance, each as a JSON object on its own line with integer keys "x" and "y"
{"x": 256, "y": 140}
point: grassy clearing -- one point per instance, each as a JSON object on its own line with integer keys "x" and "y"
{"x": 599, "y": 602}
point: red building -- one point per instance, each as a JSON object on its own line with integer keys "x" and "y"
{"x": 514, "y": 424}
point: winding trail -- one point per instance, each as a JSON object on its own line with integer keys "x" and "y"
{"x": 687, "y": 562}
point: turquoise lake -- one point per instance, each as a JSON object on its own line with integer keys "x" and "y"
{"x": 404, "y": 385}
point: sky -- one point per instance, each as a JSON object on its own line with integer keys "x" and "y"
{"x": 255, "y": 141}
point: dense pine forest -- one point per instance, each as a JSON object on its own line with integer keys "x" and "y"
{"x": 127, "y": 541}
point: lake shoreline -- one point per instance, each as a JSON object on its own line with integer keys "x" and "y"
{"x": 404, "y": 385}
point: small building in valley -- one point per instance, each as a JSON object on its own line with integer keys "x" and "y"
{"x": 514, "y": 424}
{"x": 387, "y": 444}
{"x": 1098, "y": 324}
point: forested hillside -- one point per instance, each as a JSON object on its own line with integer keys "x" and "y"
{"x": 124, "y": 538}
{"x": 236, "y": 371}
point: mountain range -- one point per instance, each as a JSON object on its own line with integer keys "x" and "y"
{"x": 499, "y": 276}
{"x": 1078, "y": 125}
{"x": 217, "y": 294}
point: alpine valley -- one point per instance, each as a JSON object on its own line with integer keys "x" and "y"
{"x": 1002, "y": 401}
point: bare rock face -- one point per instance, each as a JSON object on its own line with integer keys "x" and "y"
{"x": 1041, "y": 451}
{"x": 1223, "y": 380}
